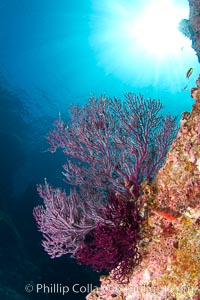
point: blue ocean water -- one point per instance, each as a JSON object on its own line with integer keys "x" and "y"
{"x": 52, "y": 54}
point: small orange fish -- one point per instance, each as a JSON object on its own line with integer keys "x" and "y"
{"x": 189, "y": 73}
{"x": 164, "y": 215}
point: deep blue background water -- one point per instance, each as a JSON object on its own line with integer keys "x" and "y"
{"x": 52, "y": 54}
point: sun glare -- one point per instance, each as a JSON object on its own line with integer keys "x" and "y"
{"x": 139, "y": 41}
{"x": 156, "y": 29}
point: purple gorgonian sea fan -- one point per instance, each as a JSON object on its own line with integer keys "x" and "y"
{"x": 111, "y": 148}
{"x": 114, "y": 145}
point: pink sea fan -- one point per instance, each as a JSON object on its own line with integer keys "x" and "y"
{"x": 65, "y": 220}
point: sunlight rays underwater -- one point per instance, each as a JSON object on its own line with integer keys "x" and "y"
{"x": 139, "y": 42}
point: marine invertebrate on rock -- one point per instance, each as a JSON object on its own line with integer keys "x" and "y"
{"x": 112, "y": 149}
{"x": 112, "y": 144}
{"x": 65, "y": 220}
{"x": 170, "y": 267}
{"x": 114, "y": 246}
